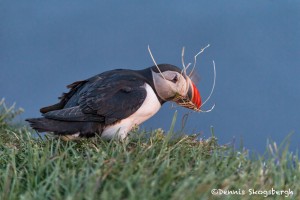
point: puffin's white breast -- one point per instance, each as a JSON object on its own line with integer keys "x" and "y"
{"x": 149, "y": 107}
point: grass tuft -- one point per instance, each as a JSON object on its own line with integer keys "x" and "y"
{"x": 149, "y": 165}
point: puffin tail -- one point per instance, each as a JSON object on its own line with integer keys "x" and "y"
{"x": 85, "y": 129}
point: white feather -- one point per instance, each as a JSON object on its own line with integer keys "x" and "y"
{"x": 149, "y": 107}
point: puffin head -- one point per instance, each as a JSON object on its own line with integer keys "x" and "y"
{"x": 173, "y": 85}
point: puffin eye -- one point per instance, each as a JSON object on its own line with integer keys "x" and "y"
{"x": 175, "y": 79}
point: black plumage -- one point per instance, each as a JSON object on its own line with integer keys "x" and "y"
{"x": 92, "y": 104}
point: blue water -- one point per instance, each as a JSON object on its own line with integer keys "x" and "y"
{"x": 45, "y": 45}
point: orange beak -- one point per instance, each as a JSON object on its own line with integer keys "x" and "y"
{"x": 195, "y": 98}
{"x": 192, "y": 100}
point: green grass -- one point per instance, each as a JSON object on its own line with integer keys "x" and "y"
{"x": 145, "y": 166}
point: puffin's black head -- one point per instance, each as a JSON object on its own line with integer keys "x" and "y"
{"x": 165, "y": 67}
{"x": 173, "y": 85}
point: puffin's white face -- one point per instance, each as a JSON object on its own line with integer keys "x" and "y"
{"x": 174, "y": 86}
{"x": 169, "y": 84}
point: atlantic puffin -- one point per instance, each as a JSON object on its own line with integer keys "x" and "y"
{"x": 110, "y": 104}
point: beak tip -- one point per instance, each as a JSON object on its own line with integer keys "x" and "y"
{"x": 196, "y": 99}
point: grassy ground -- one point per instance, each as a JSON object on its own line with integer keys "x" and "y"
{"x": 146, "y": 166}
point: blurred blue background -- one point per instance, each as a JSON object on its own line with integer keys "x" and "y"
{"x": 45, "y": 45}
